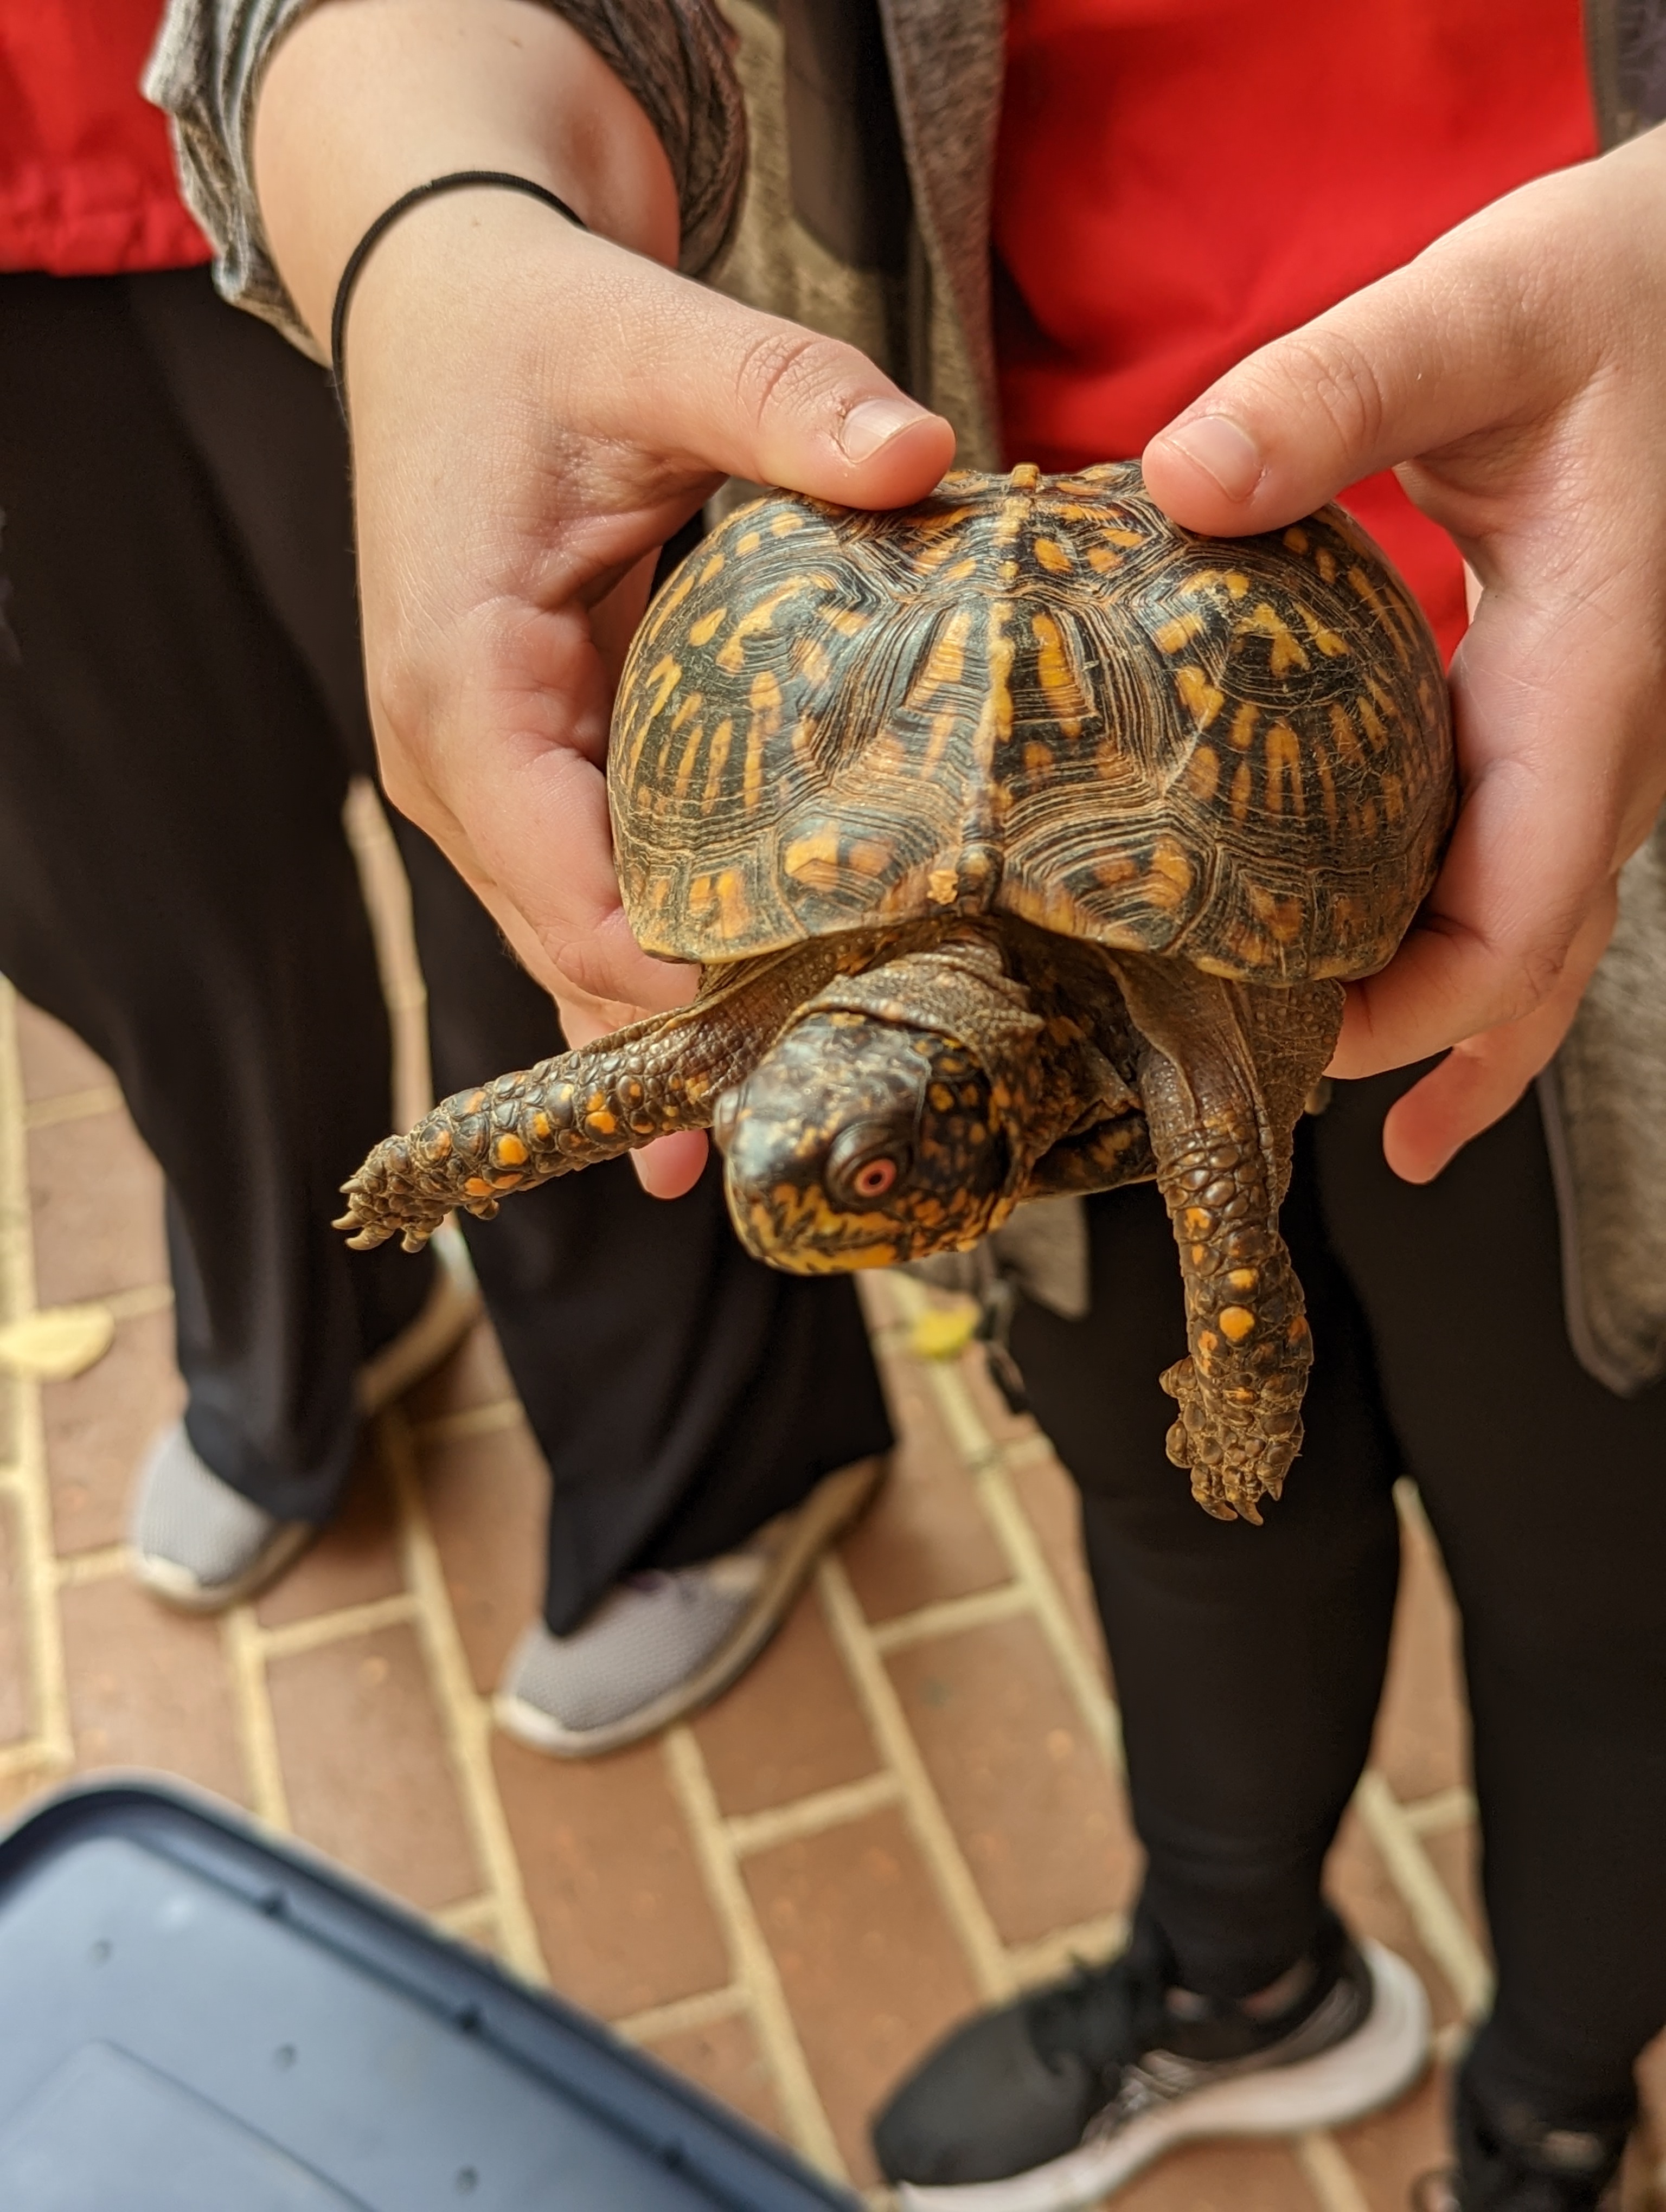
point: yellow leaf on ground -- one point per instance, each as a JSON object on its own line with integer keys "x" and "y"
{"x": 943, "y": 1332}
{"x": 51, "y": 1346}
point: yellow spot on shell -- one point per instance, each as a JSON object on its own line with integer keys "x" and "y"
{"x": 505, "y": 1182}
{"x": 691, "y": 705}
{"x": 784, "y": 526}
{"x": 870, "y": 856}
{"x": 703, "y": 631}
{"x": 667, "y": 674}
{"x": 1241, "y": 791}
{"x": 603, "y": 1123}
{"x": 750, "y": 542}
{"x": 1295, "y": 538}
{"x": 1235, "y": 1322}
{"x": 1241, "y": 735}
{"x": 1197, "y": 1221}
{"x": 1245, "y": 1279}
{"x": 1285, "y": 653}
{"x": 1202, "y": 700}
{"x": 1284, "y": 764}
{"x": 942, "y": 886}
{"x": 813, "y": 861}
{"x": 1053, "y": 556}
{"x": 713, "y": 568}
{"x": 845, "y": 620}
{"x": 1203, "y": 773}
{"x": 510, "y": 1152}
{"x": 1037, "y": 757}
{"x": 945, "y": 663}
{"x": 1170, "y": 874}
{"x": 542, "y": 1126}
{"x": 1059, "y": 682}
{"x": 1025, "y": 476}
{"x": 1104, "y": 558}
{"x": 722, "y": 738}
{"x": 478, "y": 1187}
{"x": 1175, "y": 636}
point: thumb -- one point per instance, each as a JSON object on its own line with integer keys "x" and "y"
{"x": 723, "y": 387}
{"x": 1411, "y": 364}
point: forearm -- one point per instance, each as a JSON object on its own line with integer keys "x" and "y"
{"x": 366, "y": 98}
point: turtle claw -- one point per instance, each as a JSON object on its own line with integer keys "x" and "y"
{"x": 1235, "y": 1454}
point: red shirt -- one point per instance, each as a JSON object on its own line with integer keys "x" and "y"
{"x": 1180, "y": 180}
{"x": 86, "y": 173}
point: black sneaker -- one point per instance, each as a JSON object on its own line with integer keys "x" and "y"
{"x": 1512, "y": 2161}
{"x": 1053, "y": 2100}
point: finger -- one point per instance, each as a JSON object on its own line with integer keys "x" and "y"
{"x": 1482, "y": 1078}
{"x": 672, "y": 1165}
{"x": 1407, "y": 366}
{"x": 722, "y": 386}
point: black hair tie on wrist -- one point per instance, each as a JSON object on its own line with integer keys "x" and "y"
{"x": 457, "y": 181}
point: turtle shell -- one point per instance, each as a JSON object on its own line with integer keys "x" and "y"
{"x": 1035, "y": 695}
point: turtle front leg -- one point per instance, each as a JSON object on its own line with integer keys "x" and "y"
{"x": 1227, "y": 1069}
{"x": 568, "y": 1112}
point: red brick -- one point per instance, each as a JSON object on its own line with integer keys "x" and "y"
{"x": 1221, "y": 2177}
{"x": 870, "y": 1966}
{"x": 1390, "y": 2149}
{"x": 790, "y": 1726}
{"x": 97, "y": 1200}
{"x": 149, "y": 1687}
{"x": 1030, "y": 1797}
{"x": 1422, "y": 1740}
{"x": 1359, "y": 1886}
{"x": 17, "y": 1718}
{"x": 725, "y": 2059}
{"x": 1456, "y": 1853}
{"x": 98, "y": 1426}
{"x": 925, "y": 1537}
{"x": 365, "y": 1765}
{"x": 487, "y": 1499}
{"x": 612, "y": 1878}
{"x": 355, "y": 1561}
{"x": 53, "y": 1058}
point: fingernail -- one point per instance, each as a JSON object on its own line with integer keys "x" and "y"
{"x": 868, "y": 425}
{"x": 1223, "y": 450}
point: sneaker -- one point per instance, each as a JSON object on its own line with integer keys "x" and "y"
{"x": 202, "y": 1545}
{"x": 1065, "y": 2096}
{"x": 1513, "y": 2162}
{"x": 661, "y": 1643}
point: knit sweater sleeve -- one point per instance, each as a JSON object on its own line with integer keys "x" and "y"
{"x": 205, "y": 70}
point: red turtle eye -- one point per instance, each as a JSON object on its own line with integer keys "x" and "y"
{"x": 874, "y": 1177}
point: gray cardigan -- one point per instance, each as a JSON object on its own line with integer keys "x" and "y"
{"x": 833, "y": 159}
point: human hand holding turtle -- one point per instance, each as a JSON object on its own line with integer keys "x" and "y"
{"x": 1517, "y": 372}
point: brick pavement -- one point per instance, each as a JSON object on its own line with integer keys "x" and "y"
{"x": 909, "y": 1805}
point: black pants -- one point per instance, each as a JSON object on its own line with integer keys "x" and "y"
{"x": 1249, "y": 1660}
{"x": 181, "y": 709}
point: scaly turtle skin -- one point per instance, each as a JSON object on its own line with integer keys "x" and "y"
{"x": 1024, "y": 842}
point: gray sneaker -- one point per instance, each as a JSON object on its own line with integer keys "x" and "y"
{"x": 660, "y": 1645}
{"x": 202, "y": 1545}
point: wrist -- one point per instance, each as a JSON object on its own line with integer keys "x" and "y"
{"x": 360, "y": 103}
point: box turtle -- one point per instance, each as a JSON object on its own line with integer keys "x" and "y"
{"x": 1023, "y": 841}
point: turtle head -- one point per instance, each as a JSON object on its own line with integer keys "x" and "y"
{"x": 860, "y": 1143}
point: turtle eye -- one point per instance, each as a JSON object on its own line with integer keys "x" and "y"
{"x": 866, "y": 1162}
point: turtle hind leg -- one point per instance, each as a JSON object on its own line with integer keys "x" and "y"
{"x": 1228, "y": 1067}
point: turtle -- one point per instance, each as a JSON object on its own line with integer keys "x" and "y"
{"x": 1024, "y": 842}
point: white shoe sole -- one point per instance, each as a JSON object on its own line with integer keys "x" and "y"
{"x": 449, "y": 1313}
{"x": 830, "y": 1508}
{"x": 1373, "y": 2066}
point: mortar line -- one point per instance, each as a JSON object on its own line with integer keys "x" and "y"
{"x": 1435, "y": 1913}
{"x": 465, "y": 1717}
{"x": 1445, "y": 1809}
{"x": 74, "y": 1106}
{"x": 982, "y": 1458}
{"x": 43, "y": 1629}
{"x": 950, "y": 1616}
{"x": 134, "y": 1304}
{"x": 256, "y": 1729}
{"x": 684, "y": 2015}
{"x": 472, "y": 1421}
{"x": 882, "y": 1708}
{"x": 462, "y": 1919}
{"x": 1046, "y": 1958}
{"x": 71, "y": 1571}
{"x": 23, "y": 1757}
{"x": 813, "y": 1815}
{"x": 1328, "y": 2173}
{"x": 750, "y": 1960}
{"x": 289, "y": 1637}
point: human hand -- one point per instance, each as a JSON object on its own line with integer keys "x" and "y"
{"x": 535, "y": 409}
{"x": 1516, "y": 374}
